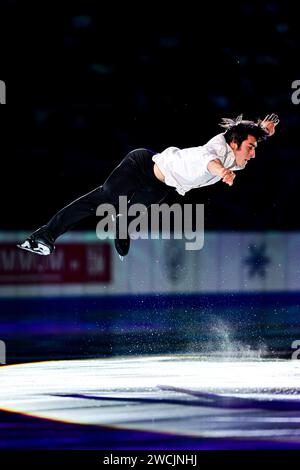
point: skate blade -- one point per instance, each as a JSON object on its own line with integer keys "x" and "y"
{"x": 40, "y": 250}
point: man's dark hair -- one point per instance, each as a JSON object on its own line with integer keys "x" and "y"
{"x": 237, "y": 130}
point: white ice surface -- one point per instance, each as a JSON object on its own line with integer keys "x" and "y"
{"x": 142, "y": 393}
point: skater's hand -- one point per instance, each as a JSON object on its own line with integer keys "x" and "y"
{"x": 269, "y": 123}
{"x": 227, "y": 176}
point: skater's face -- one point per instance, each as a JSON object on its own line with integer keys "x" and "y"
{"x": 245, "y": 151}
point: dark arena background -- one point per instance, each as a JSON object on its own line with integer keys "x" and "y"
{"x": 168, "y": 349}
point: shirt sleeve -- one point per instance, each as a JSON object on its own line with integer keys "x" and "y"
{"x": 211, "y": 153}
{"x": 214, "y": 148}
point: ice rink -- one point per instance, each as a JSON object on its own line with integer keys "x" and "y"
{"x": 241, "y": 401}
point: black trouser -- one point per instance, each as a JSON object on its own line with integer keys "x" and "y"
{"x": 133, "y": 178}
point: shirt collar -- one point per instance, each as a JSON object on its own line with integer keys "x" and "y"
{"x": 230, "y": 158}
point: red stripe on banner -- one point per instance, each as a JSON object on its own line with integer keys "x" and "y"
{"x": 69, "y": 264}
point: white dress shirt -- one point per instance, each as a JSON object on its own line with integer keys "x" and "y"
{"x": 186, "y": 169}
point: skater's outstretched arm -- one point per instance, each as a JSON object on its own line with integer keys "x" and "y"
{"x": 215, "y": 167}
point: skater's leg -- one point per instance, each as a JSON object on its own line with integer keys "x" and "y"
{"x": 150, "y": 191}
{"x": 122, "y": 181}
{"x": 146, "y": 197}
{"x": 134, "y": 173}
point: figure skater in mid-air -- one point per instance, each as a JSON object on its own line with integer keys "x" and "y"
{"x": 147, "y": 177}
